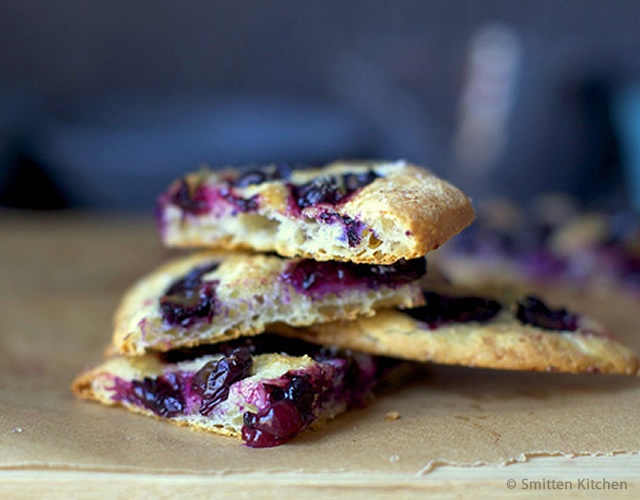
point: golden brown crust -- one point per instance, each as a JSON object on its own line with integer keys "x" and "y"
{"x": 405, "y": 213}
{"x": 501, "y": 343}
{"x": 430, "y": 209}
{"x": 81, "y": 386}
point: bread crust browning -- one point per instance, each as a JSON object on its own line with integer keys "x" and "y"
{"x": 501, "y": 343}
{"x": 427, "y": 208}
{"x": 405, "y": 213}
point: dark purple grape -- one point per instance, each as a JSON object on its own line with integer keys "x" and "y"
{"x": 189, "y": 306}
{"x": 329, "y": 189}
{"x": 213, "y": 381}
{"x": 533, "y": 311}
{"x": 441, "y": 309}
{"x": 282, "y": 171}
{"x": 319, "y": 190}
{"x": 353, "y": 231}
{"x": 192, "y": 279}
{"x": 163, "y": 396}
{"x": 295, "y": 397}
{"x": 308, "y": 276}
{"x": 250, "y": 178}
{"x": 241, "y": 204}
{"x": 292, "y": 404}
{"x": 399, "y": 273}
{"x": 263, "y": 174}
{"x": 319, "y": 278}
{"x": 353, "y": 182}
{"x": 191, "y": 201}
{"x": 298, "y": 390}
{"x": 256, "y": 345}
{"x": 276, "y": 425}
{"x": 188, "y": 299}
{"x": 290, "y": 411}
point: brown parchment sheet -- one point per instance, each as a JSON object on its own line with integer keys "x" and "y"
{"x": 61, "y": 278}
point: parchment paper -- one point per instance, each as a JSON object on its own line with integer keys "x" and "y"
{"x": 61, "y": 278}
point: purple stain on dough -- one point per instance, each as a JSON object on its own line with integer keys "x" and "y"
{"x": 320, "y": 278}
{"x": 352, "y": 228}
{"x": 203, "y": 200}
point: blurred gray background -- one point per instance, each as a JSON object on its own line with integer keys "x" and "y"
{"x": 102, "y": 103}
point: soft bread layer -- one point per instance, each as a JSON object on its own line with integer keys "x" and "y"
{"x": 404, "y": 214}
{"x": 501, "y": 343}
{"x": 98, "y": 384}
{"x": 251, "y": 296}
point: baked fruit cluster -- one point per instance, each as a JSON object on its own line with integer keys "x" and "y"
{"x": 302, "y": 289}
{"x": 553, "y": 239}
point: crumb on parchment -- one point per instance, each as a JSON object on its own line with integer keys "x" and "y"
{"x": 391, "y": 416}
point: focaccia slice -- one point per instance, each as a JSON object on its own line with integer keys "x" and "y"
{"x": 265, "y": 389}
{"x": 209, "y": 297}
{"x": 551, "y": 240}
{"x": 363, "y": 212}
{"x": 459, "y": 328}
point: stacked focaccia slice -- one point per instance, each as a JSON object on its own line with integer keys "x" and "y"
{"x": 209, "y": 297}
{"x": 265, "y": 389}
{"x": 190, "y": 343}
{"x": 463, "y": 326}
{"x": 362, "y": 212}
{"x": 264, "y": 346}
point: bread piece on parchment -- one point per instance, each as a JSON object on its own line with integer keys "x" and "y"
{"x": 364, "y": 212}
{"x": 209, "y": 297}
{"x": 264, "y": 389}
{"x": 461, "y": 327}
